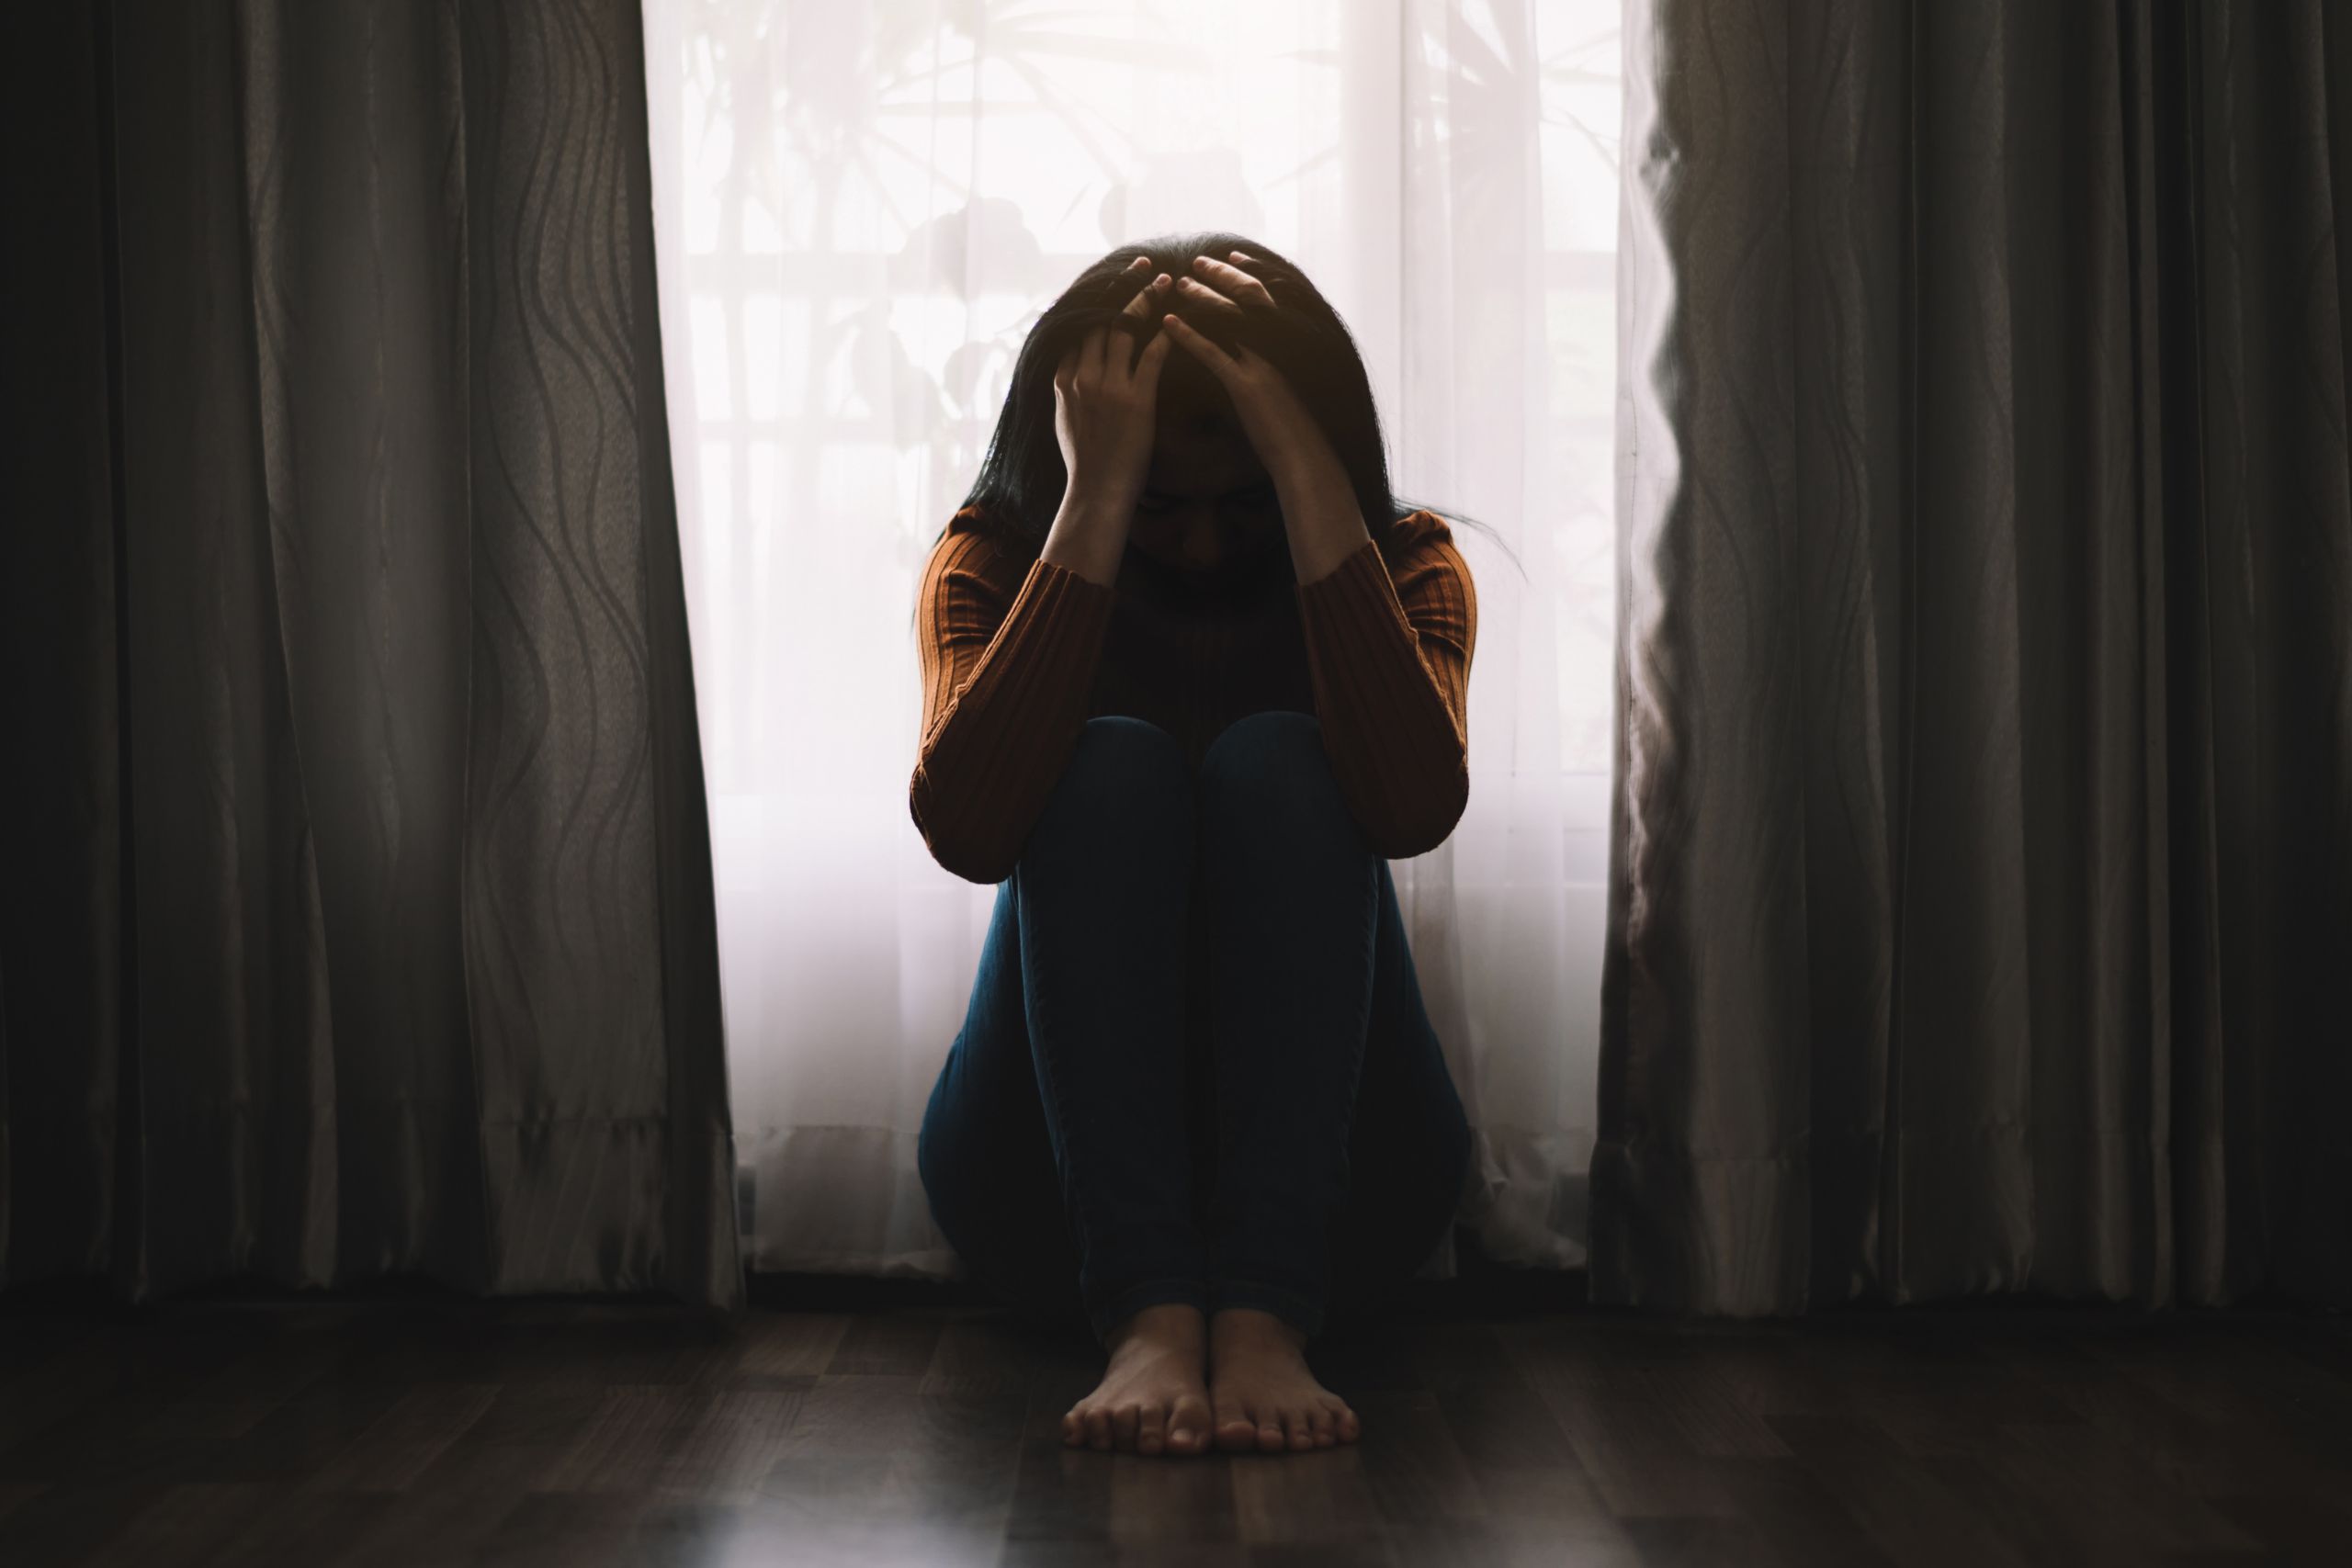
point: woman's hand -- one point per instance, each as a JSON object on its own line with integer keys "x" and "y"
{"x": 1320, "y": 513}
{"x": 1104, "y": 398}
{"x": 1288, "y": 441}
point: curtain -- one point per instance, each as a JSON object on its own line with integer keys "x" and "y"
{"x": 860, "y": 209}
{"x": 1981, "y": 874}
{"x": 357, "y": 886}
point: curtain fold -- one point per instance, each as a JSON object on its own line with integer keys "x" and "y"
{"x": 357, "y": 910}
{"x": 1981, "y": 852}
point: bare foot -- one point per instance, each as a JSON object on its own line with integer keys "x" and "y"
{"x": 1151, "y": 1399}
{"x": 1263, "y": 1394}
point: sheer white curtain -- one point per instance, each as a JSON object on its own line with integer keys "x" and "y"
{"x": 859, "y": 210}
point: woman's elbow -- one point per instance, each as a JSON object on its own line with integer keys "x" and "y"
{"x": 1424, "y": 824}
{"x": 988, "y": 870}
{"x": 959, "y": 849}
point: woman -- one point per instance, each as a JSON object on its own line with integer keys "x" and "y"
{"x": 1189, "y": 683}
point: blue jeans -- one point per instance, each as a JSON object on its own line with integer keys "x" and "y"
{"x": 1101, "y": 1139}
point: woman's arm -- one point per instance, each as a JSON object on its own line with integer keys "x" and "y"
{"x": 1009, "y": 648}
{"x": 1389, "y": 656}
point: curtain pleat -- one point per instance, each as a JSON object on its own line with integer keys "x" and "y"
{"x": 1981, "y": 865}
{"x": 391, "y": 950}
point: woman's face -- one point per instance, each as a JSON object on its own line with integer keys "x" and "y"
{"x": 1207, "y": 525}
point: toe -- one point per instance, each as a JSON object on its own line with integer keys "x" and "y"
{"x": 1189, "y": 1426}
{"x": 1073, "y": 1429}
{"x": 1320, "y": 1423}
{"x": 1235, "y": 1429}
{"x": 1346, "y": 1425}
{"x": 1124, "y": 1421}
{"x": 1098, "y": 1429}
{"x": 1150, "y": 1429}
{"x": 1269, "y": 1433}
{"x": 1302, "y": 1431}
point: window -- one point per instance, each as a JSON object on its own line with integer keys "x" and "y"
{"x": 860, "y": 209}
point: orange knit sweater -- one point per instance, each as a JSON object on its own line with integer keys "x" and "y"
{"x": 1017, "y": 652}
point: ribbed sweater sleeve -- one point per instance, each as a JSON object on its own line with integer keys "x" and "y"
{"x": 1008, "y": 649}
{"x": 1389, "y": 658}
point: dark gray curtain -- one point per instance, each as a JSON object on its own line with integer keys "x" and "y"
{"x": 1981, "y": 904}
{"x": 357, "y": 904}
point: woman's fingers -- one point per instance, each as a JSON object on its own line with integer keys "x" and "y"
{"x": 1148, "y": 298}
{"x": 1232, "y": 282}
{"x": 1198, "y": 345}
{"x": 1140, "y": 304}
{"x": 1147, "y": 363}
{"x": 1139, "y": 311}
{"x": 1200, "y": 293}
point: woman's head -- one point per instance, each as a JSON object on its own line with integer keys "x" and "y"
{"x": 1209, "y": 514}
{"x": 1208, "y": 521}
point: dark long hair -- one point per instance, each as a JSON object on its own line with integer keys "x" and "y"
{"x": 1020, "y": 484}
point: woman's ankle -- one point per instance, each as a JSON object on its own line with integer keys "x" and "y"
{"x": 1163, "y": 1323}
{"x": 1244, "y": 1327}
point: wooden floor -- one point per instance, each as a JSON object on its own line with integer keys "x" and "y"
{"x": 443, "y": 1432}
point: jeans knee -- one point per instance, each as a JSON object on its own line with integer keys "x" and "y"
{"x": 1271, "y": 729}
{"x": 1270, "y": 768}
{"x": 1119, "y": 749}
{"x": 1121, "y": 769}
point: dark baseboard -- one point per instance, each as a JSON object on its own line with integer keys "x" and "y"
{"x": 1480, "y": 1289}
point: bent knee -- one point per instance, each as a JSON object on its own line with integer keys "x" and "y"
{"x": 1269, "y": 730}
{"x": 1122, "y": 767}
{"x": 1271, "y": 767}
{"x": 1119, "y": 749}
